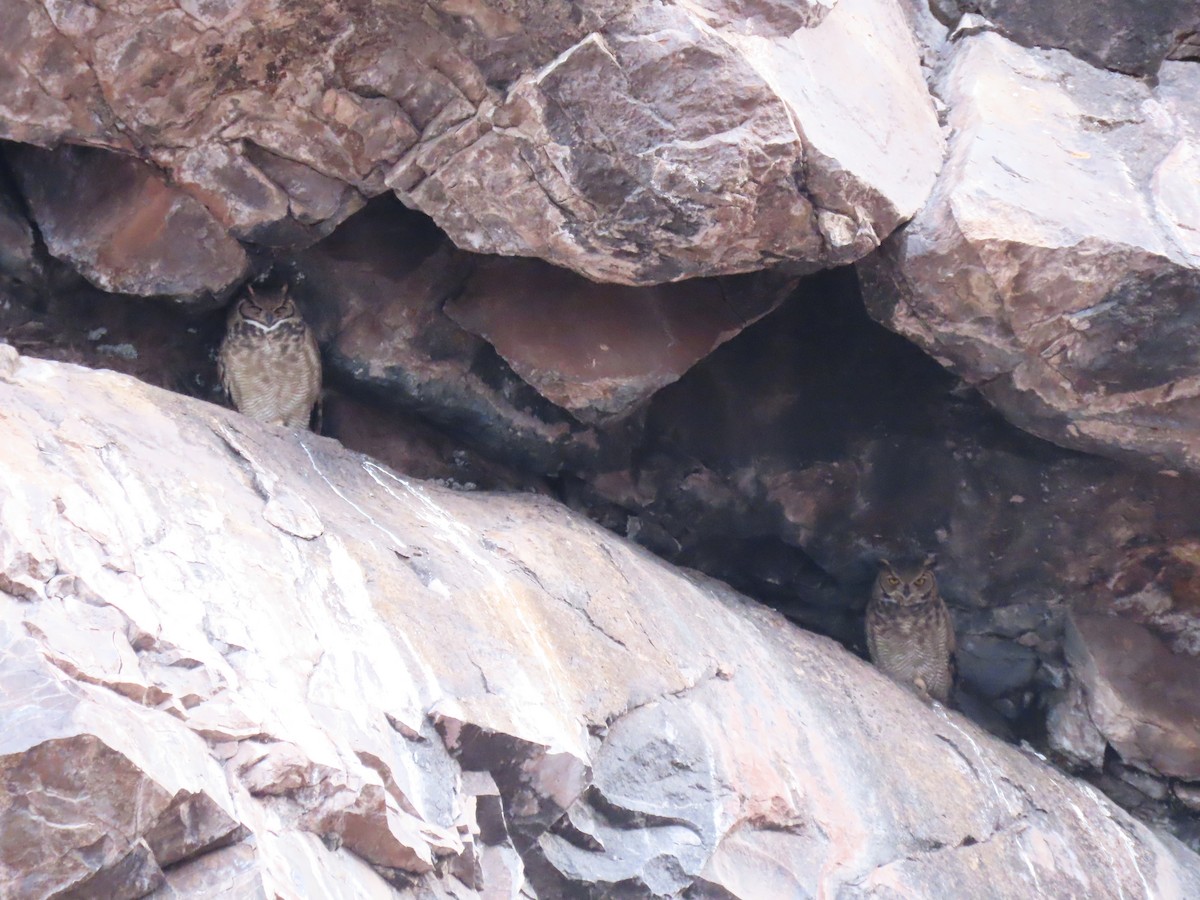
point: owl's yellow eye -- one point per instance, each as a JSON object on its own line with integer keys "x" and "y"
{"x": 892, "y": 581}
{"x": 920, "y": 582}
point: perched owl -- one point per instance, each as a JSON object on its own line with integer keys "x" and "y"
{"x": 269, "y": 361}
{"x": 909, "y": 632}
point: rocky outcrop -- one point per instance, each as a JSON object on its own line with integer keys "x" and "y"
{"x": 747, "y": 164}
{"x": 120, "y": 225}
{"x": 632, "y": 142}
{"x": 1137, "y": 694}
{"x": 1056, "y": 263}
{"x": 316, "y": 675}
{"x": 496, "y": 350}
{"x": 602, "y": 350}
{"x": 1124, "y": 35}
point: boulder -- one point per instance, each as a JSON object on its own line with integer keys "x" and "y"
{"x": 601, "y": 350}
{"x": 123, "y": 227}
{"x": 1124, "y": 35}
{"x": 1137, "y": 694}
{"x": 493, "y": 350}
{"x": 436, "y": 693}
{"x": 631, "y": 141}
{"x": 1056, "y": 263}
{"x": 374, "y": 292}
{"x": 770, "y": 150}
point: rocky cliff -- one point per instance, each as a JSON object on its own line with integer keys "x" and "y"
{"x": 635, "y": 316}
{"x": 241, "y": 662}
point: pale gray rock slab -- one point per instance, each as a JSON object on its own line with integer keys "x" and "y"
{"x": 1057, "y": 260}
{"x": 443, "y": 687}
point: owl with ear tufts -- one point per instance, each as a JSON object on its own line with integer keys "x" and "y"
{"x": 268, "y": 361}
{"x": 909, "y": 632}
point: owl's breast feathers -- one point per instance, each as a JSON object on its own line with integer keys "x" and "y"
{"x": 271, "y": 375}
{"x": 913, "y": 643}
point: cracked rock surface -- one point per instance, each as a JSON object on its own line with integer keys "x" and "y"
{"x": 422, "y": 692}
{"x": 631, "y": 141}
{"x": 1057, "y": 262}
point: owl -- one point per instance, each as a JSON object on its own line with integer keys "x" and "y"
{"x": 268, "y": 361}
{"x": 909, "y": 632}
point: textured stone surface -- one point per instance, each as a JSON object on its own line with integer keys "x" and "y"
{"x": 1057, "y": 263}
{"x": 1140, "y": 696}
{"x": 374, "y": 293}
{"x": 1125, "y": 35}
{"x": 379, "y": 687}
{"x": 775, "y": 149}
{"x": 18, "y": 253}
{"x": 631, "y": 141}
{"x": 815, "y": 442}
{"x": 602, "y": 350}
{"x": 412, "y": 320}
{"x": 123, "y": 227}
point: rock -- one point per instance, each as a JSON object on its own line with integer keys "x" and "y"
{"x": 1124, "y": 35}
{"x": 1056, "y": 262}
{"x": 661, "y": 182}
{"x": 123, "y": 227}
{"x": 18, "y": 251}
{"x": 374, "y": 293}
{"x": 1138, "y": 694}
{"x": 602, "y": 350}
{"x": 444, "y": 679}
{"x": 1071, "y": 732}
{"x": 993, "y": 667}
{"x": 813, "y": 443}
{"x": 633, "y": 142}
{"x": 410, "y": 445}
{"x": 95, "y": 798}
{"x": 160, "y": 343}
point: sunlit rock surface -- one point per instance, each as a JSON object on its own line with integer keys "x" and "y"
{"x": 317, "y": 676}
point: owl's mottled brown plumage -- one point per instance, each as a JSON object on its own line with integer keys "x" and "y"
{"x": 269, "y": 362}
{"x": 909, "y": 632}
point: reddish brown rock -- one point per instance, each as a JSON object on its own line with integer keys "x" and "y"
{"x": 1138, "y": 694}
{"x": 92, "y": 800}
{"x": 1057, "y": 262}
{"x": 602, "y": 350}
{"x": 629, "y": 141}
{"x": 746, "y": 166}
{"x": 123, "y": 227}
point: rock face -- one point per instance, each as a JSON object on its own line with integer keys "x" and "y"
{"x": 1125, "y": 35}
{"x": 121, "y": 226}
{"x": 317, "y": 676}
{"x": 747, "y": 164}
{"x": 1138, "y": 694}
{"x": 1056, "y": 264}
{"x": 633, "y": 142}
{"x": 497, "y": 350}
